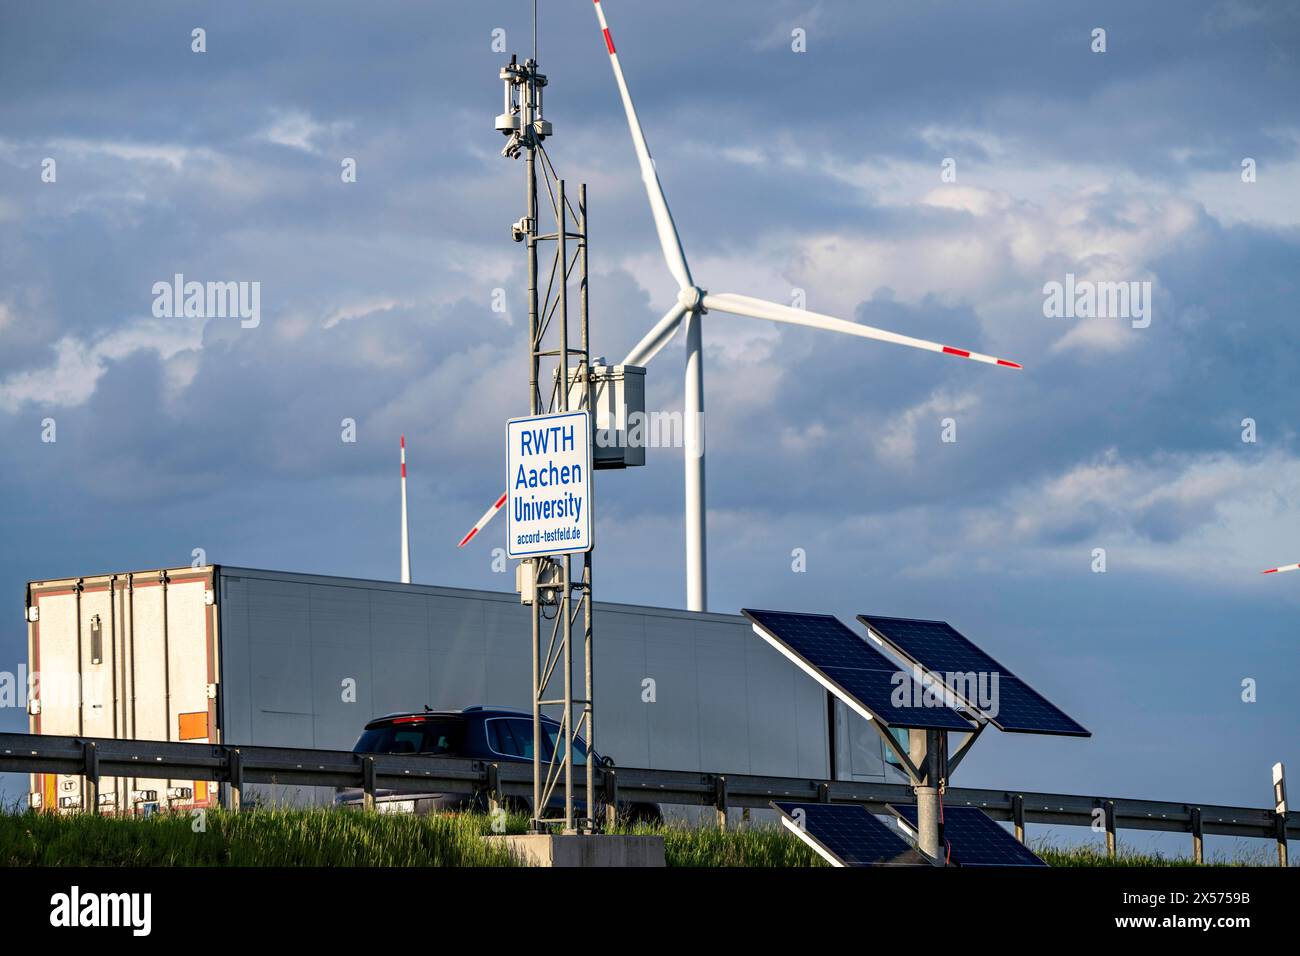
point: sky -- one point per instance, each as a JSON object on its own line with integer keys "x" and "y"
{"x": 807, "y": 149}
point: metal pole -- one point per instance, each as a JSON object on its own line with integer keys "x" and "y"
{"x": 566, "y": 725}
{"x": 1279, "y": 810}
{"x": 235, "y": 763}
{"x": 91, "y": 760}
{"x": 693, "y": 458}
{"x": 527, "y": 93}
{"x": 1198, "y": 836}
{"x": 923, "y": 748}
{"x": 368, "y": 782}
{"x": 588, "y": 677}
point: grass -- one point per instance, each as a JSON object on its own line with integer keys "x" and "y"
{"x": 708, "y": 847}
{"x": 323, "y": 837}
{"x": 264, "y": 837}
{"x": 1096, "y": 856}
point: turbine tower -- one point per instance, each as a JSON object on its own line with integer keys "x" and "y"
{"x": 693, "y": 302}
{"x": 406, "y": 537}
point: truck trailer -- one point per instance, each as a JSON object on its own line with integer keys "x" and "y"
{"x": 227, "y": 655}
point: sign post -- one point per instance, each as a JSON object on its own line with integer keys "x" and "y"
{"x": 548, "y": 484}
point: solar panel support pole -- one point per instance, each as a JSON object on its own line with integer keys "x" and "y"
{"x": 1018, "y": 815}
{"x": 926, "y": 748}
{"x": 962, "y": 751}
{"x": 1112, "y": 848}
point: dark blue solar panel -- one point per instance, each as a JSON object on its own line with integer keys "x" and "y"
{"x": 976, "y": 840}
{"x": 938, "y": 648}
{"x": 857, "y": 670}
{"x": 850, "y": 834}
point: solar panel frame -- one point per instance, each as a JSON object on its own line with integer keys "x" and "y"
{"x": 847, "y": 834}
{"x": 971, "y": 657}
{"x": 852, "y": 684}
{"x": 975, "y": 838}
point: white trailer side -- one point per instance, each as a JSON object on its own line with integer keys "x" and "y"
{"x": 304, "y": 660}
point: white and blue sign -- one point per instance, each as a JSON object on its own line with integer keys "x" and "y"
{"x": 548, "y": 484}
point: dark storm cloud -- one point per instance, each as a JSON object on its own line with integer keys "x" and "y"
{"x": 377, "y": 305}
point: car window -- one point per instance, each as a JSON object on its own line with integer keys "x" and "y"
{"x": 523, "y": 731}
{"x": 501, "y": 739}
{"x": 414, "y": 737}
{"x": 551, "y": 733}
{"x": 513, "y": 737}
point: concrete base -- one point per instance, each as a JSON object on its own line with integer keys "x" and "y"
{"x": 583, "y": 849}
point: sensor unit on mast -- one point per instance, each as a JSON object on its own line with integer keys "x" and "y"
{"x": 522, "y": 88}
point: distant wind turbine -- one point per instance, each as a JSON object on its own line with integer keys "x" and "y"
{"x": 406, "y": 537}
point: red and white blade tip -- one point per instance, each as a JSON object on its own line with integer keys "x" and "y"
{"x": 963, "y": 353}
{"x": 604, "y": 29}
{"x": 1285, "y": 567}
{"x": 482, "y": 522}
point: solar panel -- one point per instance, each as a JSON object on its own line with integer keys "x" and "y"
{"x": 974, "y": 839}
{"x": 938, "y": 648}
{"x": 845, "y": 834}
{"x": 852, "y": 669}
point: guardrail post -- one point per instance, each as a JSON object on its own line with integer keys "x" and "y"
{"x": 720, "y": 801}
{"x": 1018, "y": 815}
{"x": 493, "y": 788}
{"x": 1281, "y": 839}
{"x": 91, "y": 757}
{"x": 235, "y": 770}
{"x": 611, "y": 798}
{"x": 368, "y": 782}
{"x": 1198, "y": 836}
{"x": 1112, "y": 848}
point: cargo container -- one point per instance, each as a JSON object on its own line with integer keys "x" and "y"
{"x": 228, "y": 655}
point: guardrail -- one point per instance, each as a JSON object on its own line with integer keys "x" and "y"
{"x": 96, "y": 758}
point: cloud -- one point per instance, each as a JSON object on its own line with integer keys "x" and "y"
{"x": 297, "y": 130}
{"x": 71, "y": 379}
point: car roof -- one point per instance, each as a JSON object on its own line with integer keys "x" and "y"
{"x": 478, "y": 710}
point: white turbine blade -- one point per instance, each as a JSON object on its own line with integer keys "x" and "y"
{"x": 657, "y": 337}
{"x": 1285, "y": 567}
{"x": 482, "y": 522}
{"x": 775, "y": 312}
{"x": 668, "y": 238}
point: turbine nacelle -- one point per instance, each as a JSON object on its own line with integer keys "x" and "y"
{"x": 691, "y": 299}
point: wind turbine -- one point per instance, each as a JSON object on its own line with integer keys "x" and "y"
{"x": 1285, "y": 567}
{"x": 693, "y": 302}
{"x": 406, "y": 537}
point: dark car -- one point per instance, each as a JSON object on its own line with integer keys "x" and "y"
{"x": 493, "y": 734}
